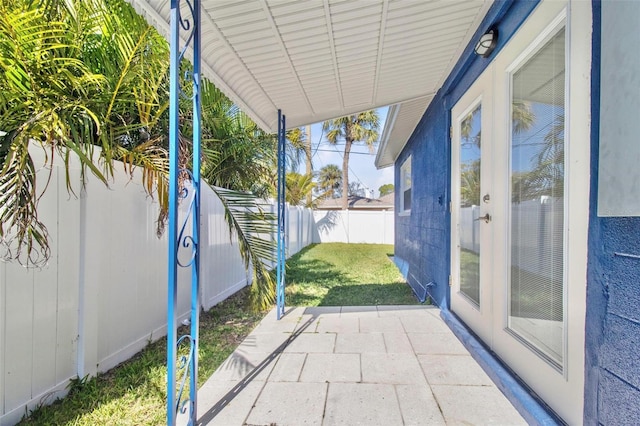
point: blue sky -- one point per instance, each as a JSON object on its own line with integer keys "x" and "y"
{"x": 361, "y": 163}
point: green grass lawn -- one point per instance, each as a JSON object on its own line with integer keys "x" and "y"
{"x": 338, "y": 274}
{"x": 134, "y": 392}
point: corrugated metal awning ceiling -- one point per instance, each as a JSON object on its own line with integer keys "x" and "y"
{"x": 321, "y": 59}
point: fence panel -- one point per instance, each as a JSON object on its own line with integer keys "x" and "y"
{"x": 125, "y": 276}
{"x": 331, "y": 226}
{"x": 534, "y": 224}
{"x": 299, "y": 229}
{"x": 39, "y": 307}
{"x": 292, "y": 230}
{"x": 354, "y": 226}
{"x": 308, "y": 226}
{"x": 470, "y": 228}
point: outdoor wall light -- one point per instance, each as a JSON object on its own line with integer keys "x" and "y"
{"x": 487, "y": 43}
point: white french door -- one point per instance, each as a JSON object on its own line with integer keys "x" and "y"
{"x": 520, "y": 175}
{"x": 471, "y": 212}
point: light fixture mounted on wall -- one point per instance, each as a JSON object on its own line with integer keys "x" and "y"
{"x": 487, "y": 42}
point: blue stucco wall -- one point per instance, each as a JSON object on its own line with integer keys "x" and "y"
{"x": 612, "y": 356}
{"x": 422, "y": 238}
{"x": 423, "y": 234}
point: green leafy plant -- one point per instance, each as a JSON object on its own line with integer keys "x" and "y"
{"x": 70, "y": 85}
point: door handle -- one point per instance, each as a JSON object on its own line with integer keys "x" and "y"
{"x": 486, "y": 218}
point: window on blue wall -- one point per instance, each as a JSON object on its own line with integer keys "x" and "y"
{"x": 405, "y": 186}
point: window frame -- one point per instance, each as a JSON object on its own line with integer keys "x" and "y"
{"x": 403, "y": 188}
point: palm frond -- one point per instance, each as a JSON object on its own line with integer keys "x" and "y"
{"x": 22, "y": 236}
{"x": 254, "y": 228}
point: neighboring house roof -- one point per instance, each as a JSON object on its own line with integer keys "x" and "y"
{"x": 317, "y": 60}
{"x": 357, "y": 203}
{"x": 389, "y": 198}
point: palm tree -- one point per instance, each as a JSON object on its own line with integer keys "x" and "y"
{"x": 550, "y": 160}
{"x": 361, "y": 127}
{"x": 329, "y": 181}
{"x": 522, "y": 116}
{"x": 547, "y": 175}
{"x": 522, "y": 119}
{"x": 70, "y": 81}
{"x": 72, "y": 84}
{"x": 470, "y": 184}
{"x": 296, "y": 147}
{"x": 298, "y": 188}
{"x": 300, "y": 145}
{"x": 47, "y": 97}
{"x": 238, "y": 161}
{"x": 466, "y": 127}
{"x": 236, "y": 153}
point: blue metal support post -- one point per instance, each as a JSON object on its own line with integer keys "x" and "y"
{"x": 172, "y": 261}
{"x": 195, "y": 267}
{"x": 188, "y": 362}
{"x": 281, "y": 250}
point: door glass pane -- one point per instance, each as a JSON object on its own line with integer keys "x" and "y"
{"x": 537, "y": 199}
{"x": 470, "y": 206}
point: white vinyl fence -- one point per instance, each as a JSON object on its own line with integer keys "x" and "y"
{"x": 300, "y": 229}
{"x": 102, "y": 296}
{"x": 470, "y": 228}
{"x": 354, "y": 226}
{"x": 537, "y": 237}
{"x": 534, "y": 225}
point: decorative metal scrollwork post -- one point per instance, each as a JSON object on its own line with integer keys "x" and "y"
{"x": 281, "y": 252}
{"x": 185, "y": 347}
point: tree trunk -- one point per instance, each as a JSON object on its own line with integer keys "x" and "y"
{"x": 307, "y": 151}
{"x": 345, "y": 172}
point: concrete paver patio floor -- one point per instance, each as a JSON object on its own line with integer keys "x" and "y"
{"x": 384, "y": 365}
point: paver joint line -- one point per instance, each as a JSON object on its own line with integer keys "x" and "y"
{"x": 321, "y": 380}
{"x": 226, "y": 399}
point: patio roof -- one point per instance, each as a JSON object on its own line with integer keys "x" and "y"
{"x": 320, "y": 59}
{"x": 402, "y": 119}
